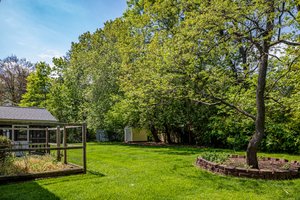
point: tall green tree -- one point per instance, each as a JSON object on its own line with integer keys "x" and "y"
{"x": 88, "y": 77}
{"x": 38, "y": 86}
{"x": 58, "y": 102}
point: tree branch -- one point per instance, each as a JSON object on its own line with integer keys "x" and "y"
{"x": 279, "y": 21}
{"x": 276, "y": 101}
{"x": 285, "y": 42}
{"x": 236, "y": 108}
{"x": 250, "y": 39}
{"x": 205, "y": 103}
{"x": 283, "y": 75}
{"x": 272, "y": 55}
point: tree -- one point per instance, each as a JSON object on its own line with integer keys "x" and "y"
{"x": 13, "y": 75}
{"x": 38, "y": 86}
{"x": 237, "y": 41}
{"x": 181, "y": 67}
{"x": 58, "y": 102}
{"x": 88, "y": 77}
{"x": 142, "y": 79}
{"x": 218, "y": 52}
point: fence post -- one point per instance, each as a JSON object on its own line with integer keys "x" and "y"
{"x": 58, "y": 142}
{"x": 84, "y": 146}
{"x": 47, "y": 140}
{"x": 65, "y": 145}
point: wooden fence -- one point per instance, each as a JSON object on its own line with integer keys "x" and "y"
{"x": 59, "y": 146}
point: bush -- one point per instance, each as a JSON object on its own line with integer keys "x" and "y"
{"x": 4, "y": 144}
{"x": 215, "y": 157}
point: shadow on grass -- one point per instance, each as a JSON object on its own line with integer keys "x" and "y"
{"x": 26, "y": 190}
{"x": 35, "y": 190}
{"x": 75, "y": 178}
{"x": 95, "y": 173}
{"x": 176, "y": 149}
{"x": 194, "y": 149}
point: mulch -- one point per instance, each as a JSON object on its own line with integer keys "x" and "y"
{"x": 263, "y": 163}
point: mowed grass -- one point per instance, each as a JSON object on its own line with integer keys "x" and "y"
{"x": 117, "y": 171}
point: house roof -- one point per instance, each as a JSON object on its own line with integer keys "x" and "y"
{"x": 8, "y": 113}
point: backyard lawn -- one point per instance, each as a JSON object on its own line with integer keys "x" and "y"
{"x": 117, "y": 171}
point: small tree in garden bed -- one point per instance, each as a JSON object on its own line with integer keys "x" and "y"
{"x": 4, "y": 144}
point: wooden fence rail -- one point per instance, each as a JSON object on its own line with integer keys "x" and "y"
{"x": 40, "y": 148}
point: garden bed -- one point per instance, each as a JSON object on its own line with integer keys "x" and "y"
{"x": 269, "y": 168}
{"x": 33, "y": 167}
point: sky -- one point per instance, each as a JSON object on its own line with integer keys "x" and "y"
{"x": 39, "y": 30}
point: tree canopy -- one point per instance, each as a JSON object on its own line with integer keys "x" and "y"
{"x": 13, "y": 75}
{"x": 38, "y": 86}
{"x": 219, "y": 73}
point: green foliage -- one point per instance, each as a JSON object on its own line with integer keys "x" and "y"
{"x": 87, "y": 83}
{"x": 200, "y": 52}
{"x": 58, "y": 102}
{"x": 184, "y": 69}
{"x": 215, "y": 157}
{"x": 5, "y": 143}
{"x": 38, "y": 87}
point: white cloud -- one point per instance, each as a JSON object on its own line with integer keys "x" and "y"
{"x": 47, "y": 55}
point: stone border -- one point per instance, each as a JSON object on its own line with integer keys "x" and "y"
{"x": 251, "y": 173}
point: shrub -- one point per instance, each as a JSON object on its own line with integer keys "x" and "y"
{"x": 4, "y": 144}
{"x": 215, "y": 157}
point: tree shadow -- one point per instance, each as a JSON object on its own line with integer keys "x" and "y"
{"x": 25, "y": 190}
{"x": 33, "y": 190}
{"x": 175, "y": 149}
{"x": 74, "y": 178}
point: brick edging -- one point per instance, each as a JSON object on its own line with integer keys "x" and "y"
{"x": 250, "y": 173}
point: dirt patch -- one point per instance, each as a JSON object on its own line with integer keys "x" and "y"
{"x": 263, "y": 163}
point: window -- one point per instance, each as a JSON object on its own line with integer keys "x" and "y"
{"x": 20, "y": 133}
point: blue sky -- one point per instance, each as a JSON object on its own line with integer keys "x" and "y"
{"x": 41, "y": 29}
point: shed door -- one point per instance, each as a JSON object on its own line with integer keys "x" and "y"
{"x": 128, "y": 134}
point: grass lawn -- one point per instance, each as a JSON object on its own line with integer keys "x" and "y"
{"x": 119, "y": 171}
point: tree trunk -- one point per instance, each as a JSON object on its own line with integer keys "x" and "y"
{"x": 260, "y": 92}
{"x": 260, "y": 116}
{"x": 168, "y": 135}
{"x": 154, "y": 133}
